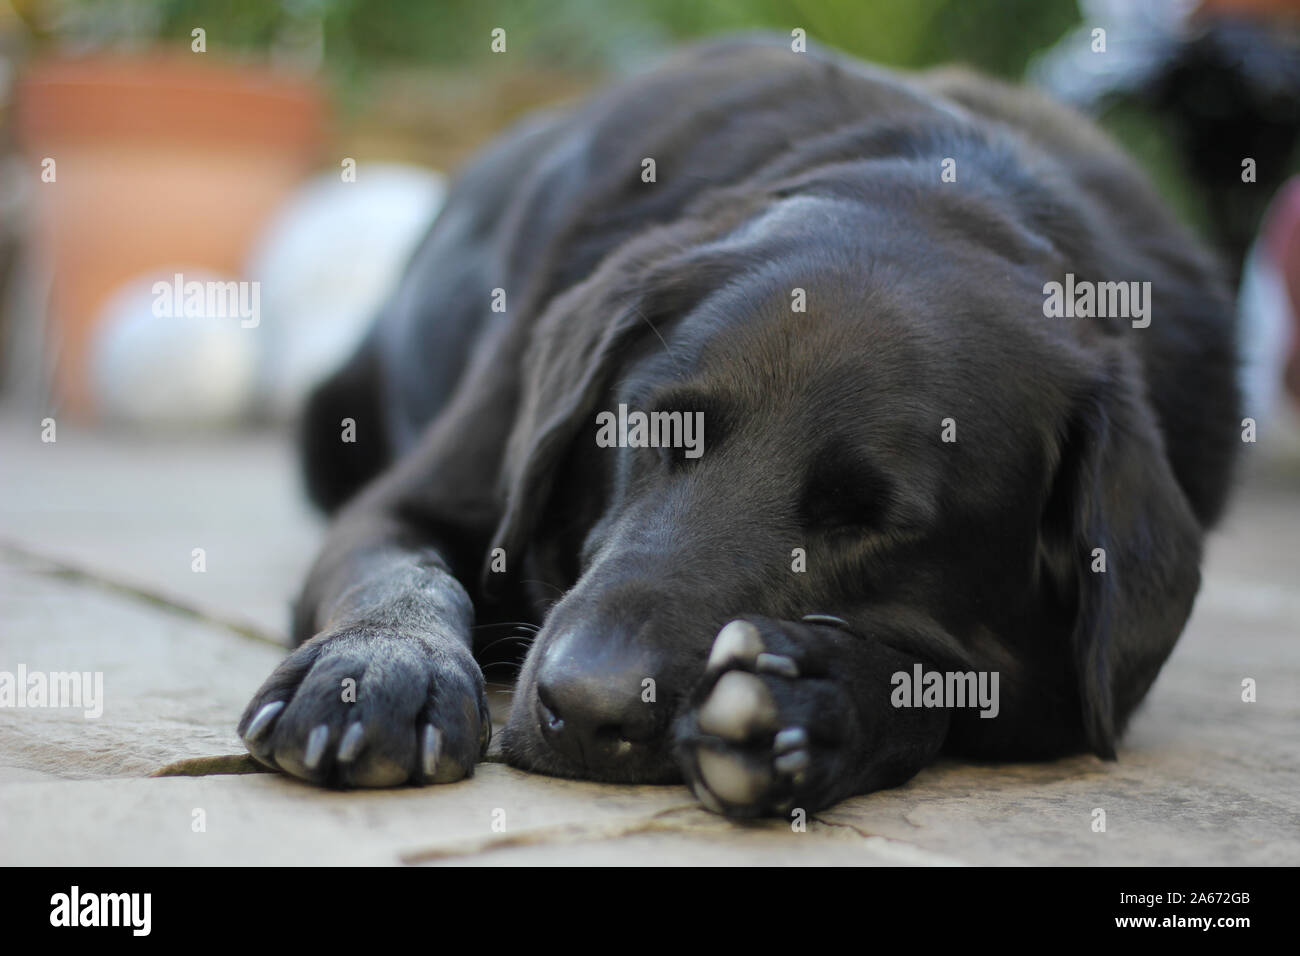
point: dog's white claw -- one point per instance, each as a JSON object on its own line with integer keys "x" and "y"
{"x": 432, "y": 750}
{"x": 708, "y": 799}
{"x": 738, "y": 640}
{"x": 258, "y": 725}
{"x": 739, "y": 705}
{"x": 316, "y": 742}
{"x": 730, "y": 778}
{"x": 776, "y": 664}
{"x": 350, "y": 746}
{"x": 793, "y": 762}
{"x": 792, "y": 738}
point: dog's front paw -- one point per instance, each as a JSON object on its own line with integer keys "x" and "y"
{"x": 360, "y": 708}
{"x": 768, "y": 729}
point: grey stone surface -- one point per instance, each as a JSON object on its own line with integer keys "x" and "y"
{"x": 133, "y": 507}
{"x": 1203, "y": 777}
{"x": 171, "y": 684}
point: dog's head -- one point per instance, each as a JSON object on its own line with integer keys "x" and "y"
{"x": 917, "y": 443}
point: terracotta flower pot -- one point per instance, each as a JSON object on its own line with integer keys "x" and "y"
{"x": 159, "y": 160}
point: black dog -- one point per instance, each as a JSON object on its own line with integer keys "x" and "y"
{"x": 916, "y": 477}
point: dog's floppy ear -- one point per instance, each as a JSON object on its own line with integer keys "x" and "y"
{"x": 578, "y": 346}
{"x": 1122, "y": 548}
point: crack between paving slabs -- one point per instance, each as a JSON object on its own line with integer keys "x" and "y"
{"x": 558, "y": 835}
{"x": 867, "y": 835}
{"x": 568, "y": 833}
{"x": 60, "y": 568}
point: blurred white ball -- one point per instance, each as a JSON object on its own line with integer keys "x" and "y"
{"x": 327, "y": 261}
{"x": 170, "y": 370}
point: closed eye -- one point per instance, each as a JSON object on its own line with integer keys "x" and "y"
{"x": 846, "y": 497}
{"x": 689, "y": 421}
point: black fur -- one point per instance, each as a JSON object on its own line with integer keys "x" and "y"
{"x": 775, "y": 171}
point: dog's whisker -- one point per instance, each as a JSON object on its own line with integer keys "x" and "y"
{"x": 512, "y": 637}
{"x": 524, "y": 625}
{"x": 546, "y": 584}
{"x": 641, "y": 315}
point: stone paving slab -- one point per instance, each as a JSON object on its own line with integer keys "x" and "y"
{"x": 132, "y": 508}
{"x": 170, "y": 683}
{"x": 1203, "y": 777}
{"x": 271, "y": 819}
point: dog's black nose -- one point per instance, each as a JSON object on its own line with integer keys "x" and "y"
{"x": 599, "y": 714}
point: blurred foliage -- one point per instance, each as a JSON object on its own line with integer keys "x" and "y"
{"x": 1151, "y": 144}
{"x": 358, "y": 37}
{"x": 362, "y": 47}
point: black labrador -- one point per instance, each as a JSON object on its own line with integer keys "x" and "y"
{"x": 823, "y": 417}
